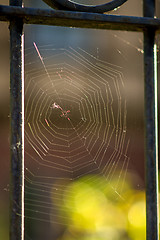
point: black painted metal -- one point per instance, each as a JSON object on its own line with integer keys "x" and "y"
{"x": 151, "y": 129}
{"x": 149, "y": 8}
{"x": 72, "y": 6}
{"x": 149, "y": 25}
{"x": 16, "y": 123}
{"x": 15, "y": 3}
{"x": 78, "y": 19}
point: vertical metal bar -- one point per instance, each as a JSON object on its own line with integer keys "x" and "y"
{"x": 17, "y": 128}
{"x": 151, "y": 126}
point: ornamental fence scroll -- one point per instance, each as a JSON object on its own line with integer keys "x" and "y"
{"x": 92, "y": 17}
{"x": 72, "y": 6}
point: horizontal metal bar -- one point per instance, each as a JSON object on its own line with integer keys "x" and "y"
{"x": 78, "y": 19}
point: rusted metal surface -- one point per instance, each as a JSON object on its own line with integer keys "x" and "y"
{"x": 17, "y": 131}
{"x": 72, "y": 6}
{"x": 151, "y": 127}
{"x": 78, "y": 19}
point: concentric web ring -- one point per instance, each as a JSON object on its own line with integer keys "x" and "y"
{"x": 75, "y": 125}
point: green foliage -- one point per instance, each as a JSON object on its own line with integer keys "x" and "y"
{"x": 97, "y": 210}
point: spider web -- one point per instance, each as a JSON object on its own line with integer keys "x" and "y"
{"x": 75, "y": 126}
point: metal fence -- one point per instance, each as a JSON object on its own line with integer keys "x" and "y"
{"x": 78, "y": 16}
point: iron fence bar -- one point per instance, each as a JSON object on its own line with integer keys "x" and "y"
{"x": 151, "y": 126}
{"x": 17, "y": 128}
{"x": 78, "y": 19}
{"x": 17, "y": 16}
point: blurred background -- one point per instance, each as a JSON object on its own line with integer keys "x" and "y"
{"x": 124, "y": 49}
